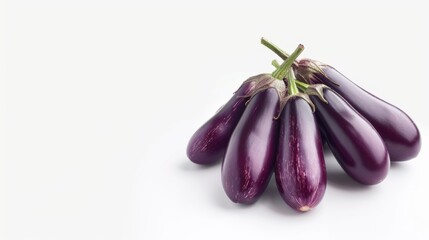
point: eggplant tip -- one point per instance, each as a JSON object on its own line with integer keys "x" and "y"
{"x": 304, "y": 209}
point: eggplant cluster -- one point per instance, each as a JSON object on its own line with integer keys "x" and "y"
{"x": 278, "y": 123}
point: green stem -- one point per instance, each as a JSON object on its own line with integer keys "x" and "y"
{"x": 301, "y": 85}
{"x": 274, "y": 48}
{"x": 291, "y": 82}
{"x": 281, "y": 72}
{"x": 275, "y": 64}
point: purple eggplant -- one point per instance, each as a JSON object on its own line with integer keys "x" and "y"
{"x": 208, "y": 144}
{"x": 354, "y": 142}
{"x": 251, "y": 152}
{"x": 249, "y": 159}
{"x": 300, "y": 166}
{"x": 399, "y": 132}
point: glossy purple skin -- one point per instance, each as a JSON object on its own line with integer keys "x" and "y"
{"x": 209, "y": 142}
{"x": 300, "y": 166}
{"x": 354, "y": 142}
{"x": 399, "y": 132}
{"x": 250, "y": 156}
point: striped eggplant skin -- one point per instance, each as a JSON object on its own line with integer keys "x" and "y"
{"x": 399, "y": 132}
{"x": 250, "y": 155}
{"x": 354, "y": 142}
{"x": 300, "y": 170}
{"x": 208, "y": 144}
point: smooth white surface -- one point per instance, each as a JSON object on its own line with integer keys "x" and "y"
{"x": 99, "y": 99}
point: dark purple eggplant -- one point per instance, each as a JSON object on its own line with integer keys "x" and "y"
{"x": 300, "y": 166}
{"x": 399, "y": 132}
{"x": 251, "y": 152}
{"x": 354, "y": 142}
{"x": 249, "y": 159}
{"x": 208, "y": 144}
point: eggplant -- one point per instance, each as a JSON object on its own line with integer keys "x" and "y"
{"x": 399, "y": 132}
{"x": 354, "y": 142}
{"x": 251, "y": 151}
{"x": 300, "y": 170}
{"x": 208, "y": 144}
{"x": 250, "y": 155}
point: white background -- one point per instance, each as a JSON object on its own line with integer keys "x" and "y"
{"x": 99, "y": 99}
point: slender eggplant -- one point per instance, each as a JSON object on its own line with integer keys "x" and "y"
{"x": 249, "y": 159}
{"x": 399, "y": 132}
{"x": 354, "y": 142}
{"x": 300, "y": 166}
{"x": 251, "y": 151}
{"x": 208, "y": 144}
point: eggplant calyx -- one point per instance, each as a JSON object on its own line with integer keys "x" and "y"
{"x": 263, "y": 82}
{"x": 312, "y": 71}
{"x": 313, "y": 66}
{"x": 317, "y": 90}
{"x": 303, "y": 96}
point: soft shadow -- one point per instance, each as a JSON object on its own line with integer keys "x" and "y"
{"x": 209, "y": 176}
{"x": 274, "y": 201}
{"x": 186, "y": 165}
{"x": 224, "y": 202}
{"x": 398, "y": 165}
{"x": 341, "y": 180}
